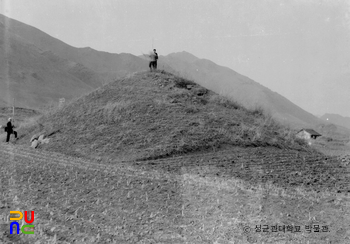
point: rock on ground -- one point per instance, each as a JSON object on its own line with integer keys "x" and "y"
{"x": 35, "y": 144}
{"x": 41, "y": 137}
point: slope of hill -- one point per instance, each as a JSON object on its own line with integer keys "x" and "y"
{"x": 337, "y": 119}
{"x": 21, "y": 115}
{"x": 155, "y": 115}
{"x": 108, "y": 65}
{"x": 2, "y": 103}
{"x": 34, "y": 78}
{"x": 242, "y": 89}
{"x": 38, "y": 69}
{"x": 94, "y": 67}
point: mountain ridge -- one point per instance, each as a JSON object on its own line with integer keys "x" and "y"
{"x": 109, "y": 65}
{"x": 35, "y": 77}
{"x": 95, "y": 68}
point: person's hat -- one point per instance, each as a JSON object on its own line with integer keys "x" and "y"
{"x": 10, "y": 119}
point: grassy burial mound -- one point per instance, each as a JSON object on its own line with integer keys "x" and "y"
{"x": 156, "y": 115}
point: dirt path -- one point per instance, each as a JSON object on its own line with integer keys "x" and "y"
{"x": 170, "y": 200}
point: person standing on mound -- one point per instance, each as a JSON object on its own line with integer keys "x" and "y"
{"x": 153, "y": 62}
{"x": 155, "y": 59}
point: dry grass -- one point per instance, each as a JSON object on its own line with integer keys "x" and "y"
{"x": 154, "y": 115}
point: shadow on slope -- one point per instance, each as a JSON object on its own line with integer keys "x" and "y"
{"x": 154, "y": 115}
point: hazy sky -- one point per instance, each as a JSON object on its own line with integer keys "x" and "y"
{"x": 298, "y": 48}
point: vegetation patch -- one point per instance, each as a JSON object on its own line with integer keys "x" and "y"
{"x": 154, "y": 115}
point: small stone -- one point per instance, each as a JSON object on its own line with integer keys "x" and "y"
{"x": 35, "y": 144}
{"x": 41, "y": 138}
{"x": 46, "y": 140}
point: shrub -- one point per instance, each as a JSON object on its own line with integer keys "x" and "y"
{"x": 183, "y": 83}
{"x": 258, "y": 110}
{"x": 300, "y": 141}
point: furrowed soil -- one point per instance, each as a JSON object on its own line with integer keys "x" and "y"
{"x": 217, "y": 197}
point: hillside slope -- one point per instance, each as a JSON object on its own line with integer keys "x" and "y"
{"x": 2, "y": 103}
{"x": 107, "y": 65}
{"x": 95, "y": 67}
{"x": 35, "y": 77}
{"x": 242, "y": 89}
{"x": 154, "y": 115}
{"x": 337, "y": 119}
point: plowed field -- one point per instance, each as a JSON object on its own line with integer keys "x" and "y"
{"x": 218, "y": 197}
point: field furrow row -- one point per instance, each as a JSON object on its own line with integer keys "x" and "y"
{"x": 145, "y": 200}
{"x": 299, "y": 169}
{"x": 68, "y": 196}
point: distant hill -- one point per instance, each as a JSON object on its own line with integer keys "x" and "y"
{"x": 35, "y": 77}
{"x": 338, "y": 90}
{"x": 38, "y": 68}
{"x": 337, "y": 119}
{"x": 155, "y": 115}
{"x": 240, "y": 88}
{"x": 110, "y": 66}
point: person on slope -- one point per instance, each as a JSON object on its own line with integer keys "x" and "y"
{"x": 9, "y": 130}
{"x": 153, "y": 62}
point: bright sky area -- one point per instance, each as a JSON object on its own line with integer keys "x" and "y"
{"x": 298, "y": 48}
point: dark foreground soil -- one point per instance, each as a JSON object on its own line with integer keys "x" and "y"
{"x": 205, "y": 198}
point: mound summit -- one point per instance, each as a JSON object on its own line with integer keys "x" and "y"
{"x": 151, "y": 115}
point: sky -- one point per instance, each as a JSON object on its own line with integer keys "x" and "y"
{"x": 297, "y": 48}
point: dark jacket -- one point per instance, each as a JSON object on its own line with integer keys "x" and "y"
{"x": 9, "y": 127}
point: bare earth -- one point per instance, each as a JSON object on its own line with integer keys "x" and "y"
{"x": 189, "y": 199}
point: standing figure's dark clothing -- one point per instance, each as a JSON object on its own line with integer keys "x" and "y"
{"x": 9, "y": 130}
{"x": 153, "y": 62}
